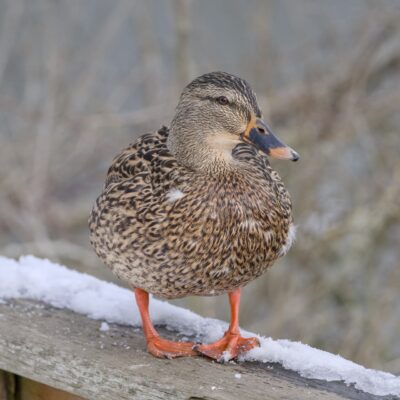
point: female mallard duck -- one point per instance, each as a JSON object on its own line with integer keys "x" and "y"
{"x": 196, "y": 209}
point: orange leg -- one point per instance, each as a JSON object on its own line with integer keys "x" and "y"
{"x": 157, "y": 346}
{"x": 232, "y": 344}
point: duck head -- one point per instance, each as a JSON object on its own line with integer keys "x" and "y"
{"x": 215, "y": 113}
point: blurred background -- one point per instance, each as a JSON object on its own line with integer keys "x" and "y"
{"x": 79, "y": 80}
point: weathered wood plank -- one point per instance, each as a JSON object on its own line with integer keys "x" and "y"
{"x": 69, "y": 352}
{"x": 32, "y": 390}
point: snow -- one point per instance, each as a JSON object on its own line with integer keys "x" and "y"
{"x": 38, "y": 279}
{"x": 238, "y": 376}
{"x": 104, "y": 327}
{"x": 226, "y": 356}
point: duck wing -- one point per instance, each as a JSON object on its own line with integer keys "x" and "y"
{"x": 141, "y": 157}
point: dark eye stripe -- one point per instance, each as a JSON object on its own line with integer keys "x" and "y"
{"x": 230, "y": 104}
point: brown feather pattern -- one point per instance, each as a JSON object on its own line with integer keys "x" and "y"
{"x": 221, "y": 232}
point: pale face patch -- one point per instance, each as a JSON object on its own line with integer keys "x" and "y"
{"x": 223, "y": 144}
{"x": 174, "y": 194}
{"x": 290, "y": 239}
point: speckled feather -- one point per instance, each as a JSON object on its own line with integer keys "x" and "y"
{"x": 217, "y": 234}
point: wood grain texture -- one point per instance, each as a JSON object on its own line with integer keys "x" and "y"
{"x": 69, "y": 352}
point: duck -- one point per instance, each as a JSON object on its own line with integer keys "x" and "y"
{"x": 195, "y": 209}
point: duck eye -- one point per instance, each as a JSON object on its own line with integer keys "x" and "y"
{"x": 222, "y": 100}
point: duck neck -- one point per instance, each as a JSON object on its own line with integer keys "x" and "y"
{"x": 197, "y": 152}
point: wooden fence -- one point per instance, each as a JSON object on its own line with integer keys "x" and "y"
{"x": 52, "y": 354}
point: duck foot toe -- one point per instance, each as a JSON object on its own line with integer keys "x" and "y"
{"x": 228, "y": 348}
{"x": 162, "y": 348}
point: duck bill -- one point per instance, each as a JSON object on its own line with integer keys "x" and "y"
{"x": 260, "y": 135}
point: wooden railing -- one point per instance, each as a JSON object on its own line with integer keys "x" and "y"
{"x": 52, "y": 354}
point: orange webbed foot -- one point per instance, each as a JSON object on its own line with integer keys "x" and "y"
{"x": 163, "y": 348}
{"x": 229, "y": 347}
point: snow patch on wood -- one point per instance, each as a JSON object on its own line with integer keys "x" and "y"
{"x": 104, "y": 327}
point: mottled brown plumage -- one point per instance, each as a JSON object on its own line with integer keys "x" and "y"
{"x": 195, "y": 209}
{"x": 222, "y": 233}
